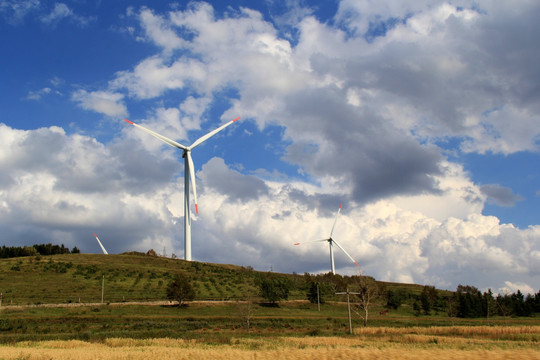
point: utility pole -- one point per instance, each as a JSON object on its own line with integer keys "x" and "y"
{"x": 349, "y": 306}
{"x": 102, "y": 288}
{"x": 318, "y": 299}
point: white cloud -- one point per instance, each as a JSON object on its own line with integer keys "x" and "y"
{"x": 159, "y": 31}
{"x": 62, "y": 11}
{"x": 16, "y": 10}
{"x": 59, "y": 12}
{"x": 152, "y": 77}
{"x": 510, "y": 288}
{"x": 460, "y": 196}
{"x": 389, "y": 242}
{"x": 55, "y": 183}
{"x": 103, "y": 102}
{"x": 37, "y": 95}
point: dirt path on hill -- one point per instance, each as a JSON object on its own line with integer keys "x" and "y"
{"x": 130, "y": 303}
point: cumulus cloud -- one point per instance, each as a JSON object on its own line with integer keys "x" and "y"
{"x": 14, "y": 11}
{"x": 62, "y": 11}
{"x": 500, "y": 195}
{"x": 37, "y": 95}
{"x": 153, "y": 76}
{"x": 158, "y": 30}
{"x": 59, "y": 12}
{"x": 514, "y": 287}
{"x": 62, "y": 186}
{"x": 216, "y": 175}
{"x": 103, "y": 102}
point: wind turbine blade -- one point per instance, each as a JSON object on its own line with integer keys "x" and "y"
{"x": 300, "y": 243}
{"x": 211, "y": 133}
{"x": 192, "y": 176}
{"x": 160, "y": 137}
{"x": 346, "y": 253}
{"x": 102, "y": 248}
{"x": 335, "y": 221}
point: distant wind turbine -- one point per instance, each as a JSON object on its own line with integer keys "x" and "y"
{"x": 331, "y": 242}
{"x": 189, "y": 172}
{"x": 101, "y": 245}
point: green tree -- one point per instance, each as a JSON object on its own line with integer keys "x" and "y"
{"x": 428, "y": 298}
{"x": 180, "y": 289}
{"x": 324, "y": 290}
{"x": 274, "y": 288}
{"x": 395, "y": 298}
{"x": 469, "y": 301}
{"x": 425, "y": 303}
{"x": 416, "y": 309}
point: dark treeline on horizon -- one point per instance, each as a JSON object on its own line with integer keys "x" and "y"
{"x": 471, "y": 303}
{"x": 466, "y": 302}
{"x": 38, "y": 249}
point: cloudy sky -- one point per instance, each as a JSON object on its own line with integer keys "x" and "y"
{"x": 421, "y": 117}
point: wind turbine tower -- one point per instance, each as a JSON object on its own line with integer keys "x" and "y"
{"x": 331, "y": 242}
{"x": 189, "y": 172}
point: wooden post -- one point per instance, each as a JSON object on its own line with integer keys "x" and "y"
{"x": 318, "y": 300}
{"x": 348, "y": 306}
{"x": 102, "y": 288}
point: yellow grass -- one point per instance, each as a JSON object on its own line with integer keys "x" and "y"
{"x": 491, "y": 343}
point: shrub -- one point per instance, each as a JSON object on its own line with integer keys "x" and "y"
{"x": 180, "y": 289}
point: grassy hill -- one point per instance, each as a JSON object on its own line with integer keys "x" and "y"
{"x": 129, "y": 277}
{"x": 72, "y": 278}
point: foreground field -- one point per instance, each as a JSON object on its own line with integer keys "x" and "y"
{"x": 456, "y": 342}
{"x": 114, "y": 307}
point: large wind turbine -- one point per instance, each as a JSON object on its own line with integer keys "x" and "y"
{"x": 189, "y": 172}
{"x": 331, "y": 242}
{"x": 101, "y": 245}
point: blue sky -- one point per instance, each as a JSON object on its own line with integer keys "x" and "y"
{"x": 420, "y": 117}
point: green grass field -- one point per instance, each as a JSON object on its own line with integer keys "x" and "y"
{"x": 215, "y": 322}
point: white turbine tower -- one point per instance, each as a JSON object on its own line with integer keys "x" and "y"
{"x": 189, "y": 172}
{"x": 331, "y": 242}
{"x": 101, "y": 245}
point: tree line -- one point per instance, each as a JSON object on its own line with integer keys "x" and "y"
{"x": 38, "y": 249}
{"x": 467, "y": 302}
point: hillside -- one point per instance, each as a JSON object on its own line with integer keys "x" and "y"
{"x": 70, "y": 278}
{"x": 129, "y": 277}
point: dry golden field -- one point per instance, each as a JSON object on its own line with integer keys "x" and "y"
{"x": 459, "y": 342}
